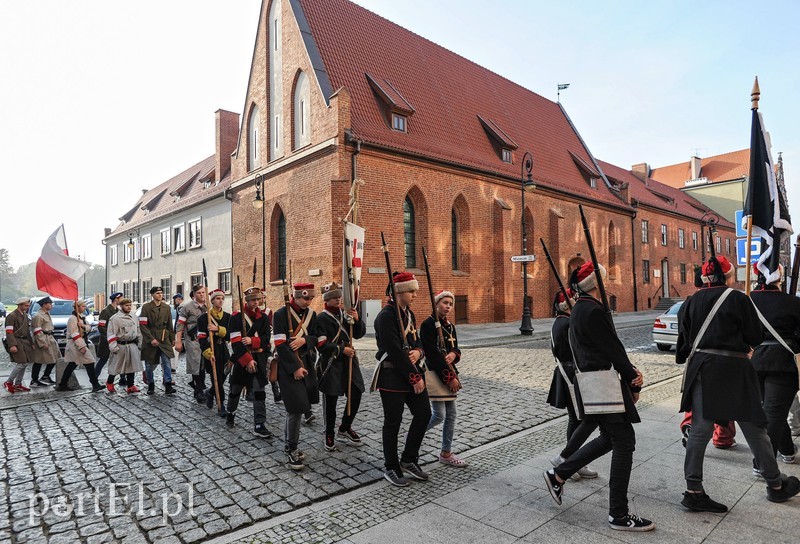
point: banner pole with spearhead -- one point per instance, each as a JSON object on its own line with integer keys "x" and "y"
{"x": 213, "y": 358}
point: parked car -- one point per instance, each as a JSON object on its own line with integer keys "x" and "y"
{"x": 665, "y": 328}
{"x": 60, "y": 313}
{"x": 2, "y": 310}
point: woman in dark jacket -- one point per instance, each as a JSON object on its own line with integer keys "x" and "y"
{"x": 774, "y": 364}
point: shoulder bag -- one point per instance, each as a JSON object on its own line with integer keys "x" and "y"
{"x": 778, "y": 337}
{"x": 702, "y": 332}
{"x": 600, "y": 390}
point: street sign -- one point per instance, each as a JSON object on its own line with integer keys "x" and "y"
{"x": 523, "y": 258}
{"x": 741, "y": 232}
{"x": 741, "y": 250}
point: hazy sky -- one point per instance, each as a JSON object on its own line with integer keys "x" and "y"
{"x": 103, "y": 99}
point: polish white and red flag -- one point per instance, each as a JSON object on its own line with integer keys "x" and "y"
{"x": 57, "y": 273}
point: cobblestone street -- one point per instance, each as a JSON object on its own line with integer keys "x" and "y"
{"x": 166, "y": 452}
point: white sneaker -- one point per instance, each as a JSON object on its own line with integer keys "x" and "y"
{"x": 557, "y": 460}
{"x": 786, "y": 459}
{"x": 587, "y": 473}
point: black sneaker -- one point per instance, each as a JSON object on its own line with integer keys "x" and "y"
{"x": 294, "y": 462}
{"x": 700, "y": 502}
{"x": 309, "y": 419}
{"x": 631, "y": 523}
{"x": 350, "y": 436}
{"x": 789, "y": 488}
{"x": 414, "y": 470}
{"x": 229, "y": 419}
{"x": 685, "y": 431}
{"x": 555, "y": 488}
{"x": 47, "y": 380}
{"x": 151, "y": 388}
{"x": 330, "y": 445}
{"x": 98, "y": 387}
{"x": 395, "y": 477}
{"x": 261, "y": 431}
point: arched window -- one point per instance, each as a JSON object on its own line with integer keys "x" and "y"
{"x": 454, "y": 239}
{"x": 612, "y": 251}
{"x": 275, "y": 120}
{"x": 278, "y": 244}
{"x": 409, "y": 233}
{"x": 302, "y": 112}
{"x": 282, "y": 245}
{"x": 253, "y": 140}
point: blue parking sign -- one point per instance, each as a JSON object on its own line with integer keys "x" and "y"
{"x": 741, "y": 250}
{"x": 741, "y": 232}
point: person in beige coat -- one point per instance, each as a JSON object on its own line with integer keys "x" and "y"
{"x": 77, "y": 352}
{"x": 45, "y": 348}
{"x": 124, "y": 341}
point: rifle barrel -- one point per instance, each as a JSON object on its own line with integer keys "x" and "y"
{"x": 600, "y": 285}
{"x": 555, "y": 273}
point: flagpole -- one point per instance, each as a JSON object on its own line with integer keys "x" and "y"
{"x": 755, "y": 95}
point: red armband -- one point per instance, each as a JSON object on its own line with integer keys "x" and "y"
{"x": 255, "y": 342}
{"x": 245, "y": 359}
{"x": 413, "y": 379}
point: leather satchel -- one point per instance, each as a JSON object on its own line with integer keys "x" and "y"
{"x": 437, "y": 389}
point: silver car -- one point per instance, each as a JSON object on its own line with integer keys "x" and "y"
{"x": 665, "y": 328}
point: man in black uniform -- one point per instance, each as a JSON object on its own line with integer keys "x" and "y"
{"x": 213, "y": 336}
{"x": 250, "y": 339}
{"x": 103, "y": 352}
{"x": 400, "y": 381}
{"x": 597, "y": 347}
{"x": 720, "y": 382}
{"x": 334, "y": 325}
{"x": 296, "y": 343}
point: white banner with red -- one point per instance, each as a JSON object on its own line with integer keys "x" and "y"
{"x": 57, "y": 273}
{"x": 351, "y": 263}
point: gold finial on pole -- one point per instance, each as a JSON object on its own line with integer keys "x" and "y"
{"x": 755, "y": 95}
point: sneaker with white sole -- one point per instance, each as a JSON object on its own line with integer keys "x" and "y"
{"x": 349, "y": 436}
{"x": 786, "y": 459}
{"x": 293, "y": 461}
{"x": 395, "y": 477}
{"x": 415, "y": 471}
{"x": 453, "y": 460}
{"x": 557, "y": 460}
{"x": 631, "y": 522}
{"x": 586, "y": 473}
{"x": 556, "y": 489}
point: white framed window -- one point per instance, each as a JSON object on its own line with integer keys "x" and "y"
{"x": 196, "y": 278}
{"x": 593, "y": 183}
{"x": 112, "y": 255}
{"x": 195, "y": 233}
{"x": 179, "y": 238}
{"x": 166, "y": 242}
{"x": 147, "y": 284}
{"x": 126, "y": 289}
{"x": 166, "y": 286}
{"x": 224, "y": 280}
{"x": 399, "y": 122}
{"x": 147, "y": 246}
{"x": 276, "y": 138}
{"x": 728, "y": 246}
{"x": 507, "y": 155}
{"x": 663, "y": 235}
{"x": 718, "y": 244}
{"x": 135, "y": 291}
{"x": 136, "y": 249}
{"x": 113, "y": 287}
{"x": 681, "y": 238}
{"x": 127, "y": 252}
{"x": 253, "y": 131}
{"x": 694, "y": 241}
{"x": 645, "y": 231}
{"x": 302, "y": 117}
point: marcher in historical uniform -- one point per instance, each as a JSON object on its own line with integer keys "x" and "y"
{"x": 77, "y": 352}
{"x": 155, "y": 322}
{"x": 177, "y": 300}
{"x": 213, "y": 334}
{"x": 400, "y": 381}
{"x": 20, "y": 345}
{"x": 559, "y": 396}
{"x": 45, "y": 348}
{"x": 441, "y": 378}
{"x": 124, "y": 341}
{"x": 250, "y": 340}
{"x": 721, "y": 383}
{"x": 596, "y": 346}
{"x": 103, "y": 352}
{"x": 774, "y": 364}
{"x": 186, "y": 337}
{"x": 296, "y": 343}
{"x": 336, "y": 358}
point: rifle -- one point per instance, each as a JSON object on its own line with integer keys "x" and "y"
{"x": 350, "y": 282}
{"x": 213, "y": 358}
{"x": 598, "y": 276}
{"x": 255, "y": 267}
{"x": 288, "y": 305}
{"x": 555, "y": 274}
{"x": 440, "y": 341}
{"x": 404, "y": 340}
{"x": 795, "y": 267}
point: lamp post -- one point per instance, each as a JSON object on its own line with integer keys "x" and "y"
{"x": 131, "y": 246}
{"x": 709, "y": 219}
{"x": 258, "y": 202}
{"x": 526, "y": 184}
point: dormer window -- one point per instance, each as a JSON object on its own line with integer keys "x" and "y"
{"x": 207, "y": 184}
{"x": 501, "y": 142}
{"x": 507, "y": 156}
{"x": 593, "y": 182}
{"x": 399, "y": 122}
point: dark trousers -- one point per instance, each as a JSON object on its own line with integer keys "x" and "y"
{"x": 37, "y": 367}
{"x": 619, "y": 438}
{"x": 420, "y": 408}
{"x": 123, "y": 379}
{"x": 71, "y": 368}
{"x": 778, "y": 390}
{"x": 329, "y": 408}
{"x": 577, "y": 432}
{"x": 98, "y": 366}
{"x": 220, "y": 385}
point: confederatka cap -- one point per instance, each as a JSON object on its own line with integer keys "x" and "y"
{"x": 45, "y": 300}
{"x": 444, "y": 293}
{"x": 303, "y": 290}
{"x": 405, "y": 282}
{"x": 562, "y": 302}
{"x": 586, "y": 279}
{"x": 708, "y": 273}
{"x": 216, "y": 293}
{"x": 252, "y": 293}
{"x": 331, "y": 290}
{"x": 156, "y": 289}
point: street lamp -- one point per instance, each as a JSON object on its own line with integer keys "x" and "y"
{"x": 258, "y": 202}
{"x": 527, "y": 184}
{"x": 131, "y": 246}
{"x": 709, "y": 219}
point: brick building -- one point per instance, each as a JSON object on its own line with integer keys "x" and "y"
{"x": 337, "y": 93}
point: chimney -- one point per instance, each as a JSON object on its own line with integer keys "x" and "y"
{"x": 694, "y": 165}
{"x": 624, "y": 192}
{"x": 227, "y": 133}
{"x": 641, "y": 171}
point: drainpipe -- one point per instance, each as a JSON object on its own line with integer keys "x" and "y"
{"x": 633, "y": 258}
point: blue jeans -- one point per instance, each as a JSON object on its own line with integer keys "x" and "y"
{"x": 98, "y": 366}
{"x": 444, "y": 410}
{"x": 165, "y": 368}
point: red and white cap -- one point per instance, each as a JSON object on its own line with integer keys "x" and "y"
{"x": 707, "y": 270}
{"x": 562, "y": 302}
{"x": 586, "y": 279}
{"x": 216, "y": 293}
{"x": 444, "y": 293}
{"x": 302, "y": 290}
{"x": 405, "y": 282}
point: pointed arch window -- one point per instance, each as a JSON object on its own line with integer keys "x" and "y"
{"x": 454, "y": 239}
{"x": 409, "y": 233}
{"x": 302, "y": 118}
{"x": 282, "y": 245}
{"x": 253, "y": 155}
{"x": 278, "y": 244}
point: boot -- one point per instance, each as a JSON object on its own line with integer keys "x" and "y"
{"x": 151, "y": 388}
{"x": 229, "y": 419}
{"x": 169, "y": 388}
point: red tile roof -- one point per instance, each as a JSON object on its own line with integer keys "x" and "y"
{"x": 160, "y": 200}
{"x": 726, "y": 167}
{"x": 659, "y": 195}
{"x": 448, "y": 93}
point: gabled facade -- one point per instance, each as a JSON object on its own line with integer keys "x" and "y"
{"x": 164, "y": 237}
